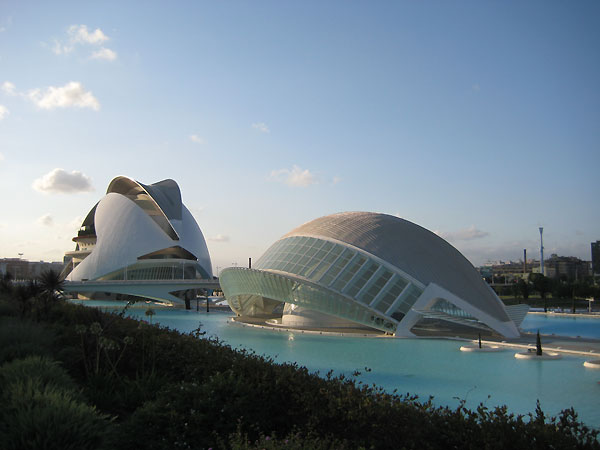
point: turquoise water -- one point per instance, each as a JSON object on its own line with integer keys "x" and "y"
{"x": 588, "y": 327}
{"x": 417, "y": 366}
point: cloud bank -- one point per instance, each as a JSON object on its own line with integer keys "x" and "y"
{"x": 3, "y": 112}
{"x": 72, "y": 94}
{"x": 104, "y": 53}
{"x": 46, "y": 220}
{"x": 8, "y": 88}
{"x": 80, "y": 35}
{"x": 59, "y": 181}
{"x": 197, "y": 139}
{"x": 261, "y": 126}
{"x": 294, "y": 177}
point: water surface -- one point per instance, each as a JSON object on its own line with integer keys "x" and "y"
{"x": 420, "y": 366}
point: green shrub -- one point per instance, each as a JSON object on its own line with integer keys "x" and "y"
{"x": 41, "y": 370}
{"x": 36, "y": 417}
{"x": 294, "y": 441}
{"x": 7, "y": 307}
{"x": 20, "y": 338}
{"x": 178, "y": 391}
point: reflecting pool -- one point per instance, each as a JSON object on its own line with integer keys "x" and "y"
{"x": 417, "y": 366}
{"x": 588, "y": 327}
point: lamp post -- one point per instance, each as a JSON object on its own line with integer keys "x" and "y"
{"x": 542, "y": 251}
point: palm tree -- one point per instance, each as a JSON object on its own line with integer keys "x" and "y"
{"x": 24, "y": 294}
{"x": 51, "y": 288}
{"x": 6, "y": 282}
{"x": 149, "y": 313}
{"x": 543, "y": 285}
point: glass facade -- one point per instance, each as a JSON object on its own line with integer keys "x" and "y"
{"x": 252, "y": 291}
{"x": 349, "y": 272}
{"x": 158, "y": 270}
{"x": 446, "y": 307}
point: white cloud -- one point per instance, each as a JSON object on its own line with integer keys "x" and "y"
{"x": 6, "y": 25}
{"x": 63, "y": 182}
{"x": 80, "y": 35}
{"x": 46, "y": 220}
{"x": 466, "y": 234}
{"x": 261, "y": 126}
{"x": 197, "y": 139}
{"x": 75, "y": 223}
{"x": 1, "y": 157}
{"x": 3, "y": 112}
{"x": 219, "y": 238}
{"x": 294, "y": 177}
{"x": 104, "y": 53}
{"x": 60, "y": 48}
{"x": 8, "y": 88}
{"x": 72, "y": 94}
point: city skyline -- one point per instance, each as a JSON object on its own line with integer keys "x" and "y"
{"x": 476, "y": 120}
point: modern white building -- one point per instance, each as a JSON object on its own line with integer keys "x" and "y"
{"x": 139, "y": 232}
{"x": 361, "y": 269}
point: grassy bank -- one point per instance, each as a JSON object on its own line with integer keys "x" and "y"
{"x": 76, "y": 377}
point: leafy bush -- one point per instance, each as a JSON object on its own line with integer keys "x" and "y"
{"x": 7, "y": 307}
{"x": 41, "y": 370}
{"x": 172, "y": 390}
{"x": 33, "y": 416}
{"x": 20, "y": 338}
{"x": 294, "y": 441}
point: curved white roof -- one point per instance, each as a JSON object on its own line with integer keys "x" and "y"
{"x": 414, "y": 250}
{"x": 133, "y": 221}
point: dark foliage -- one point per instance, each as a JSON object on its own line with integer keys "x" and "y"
{"x": 171, "y": 390}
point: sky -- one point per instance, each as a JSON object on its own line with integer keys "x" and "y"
{"x": 476, "y": 120}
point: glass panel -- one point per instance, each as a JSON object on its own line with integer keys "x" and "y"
{"x": 409, "y": 299}
{"x": 303, "y": 260}
{"x": 328, "y": 246}
{"x": 367, "y": 272}
{"x": 337, "y": 267}
{"x": 311, "y": 251}
{"x": 369, "y": 294}
{"x": 451, "y": 309}
{"x": 391, "y": 295}
{"x": 349, "y": 272}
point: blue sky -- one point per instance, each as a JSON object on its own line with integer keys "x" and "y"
{"x": 477, "y": 120}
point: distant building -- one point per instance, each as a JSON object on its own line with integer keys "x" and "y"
{"x": 596, "y": 257}
{"x": 567, "y": 266}
{"x": 508, "y": 272}
{"x": 21, "y": 269}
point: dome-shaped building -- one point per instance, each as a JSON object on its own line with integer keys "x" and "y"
{"x": 361, "y": 269}
{"x": 139, "y": 232}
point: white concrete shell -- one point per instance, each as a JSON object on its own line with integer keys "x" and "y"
{"x": 374, "y": 269}
{"x": 142, "y": 232}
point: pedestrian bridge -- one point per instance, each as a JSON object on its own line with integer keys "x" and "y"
{"x": 159, "y": 290}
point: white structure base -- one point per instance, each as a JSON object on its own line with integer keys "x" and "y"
{"x": 542, "y": 357}
{"x": 483, "y": 349}
{"x": 432, "y": 293}
{"x": 595, "y": 364}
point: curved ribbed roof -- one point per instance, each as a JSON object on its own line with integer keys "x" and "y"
{"x": 412, "y": 249}
{"x": 161, "y": 201}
